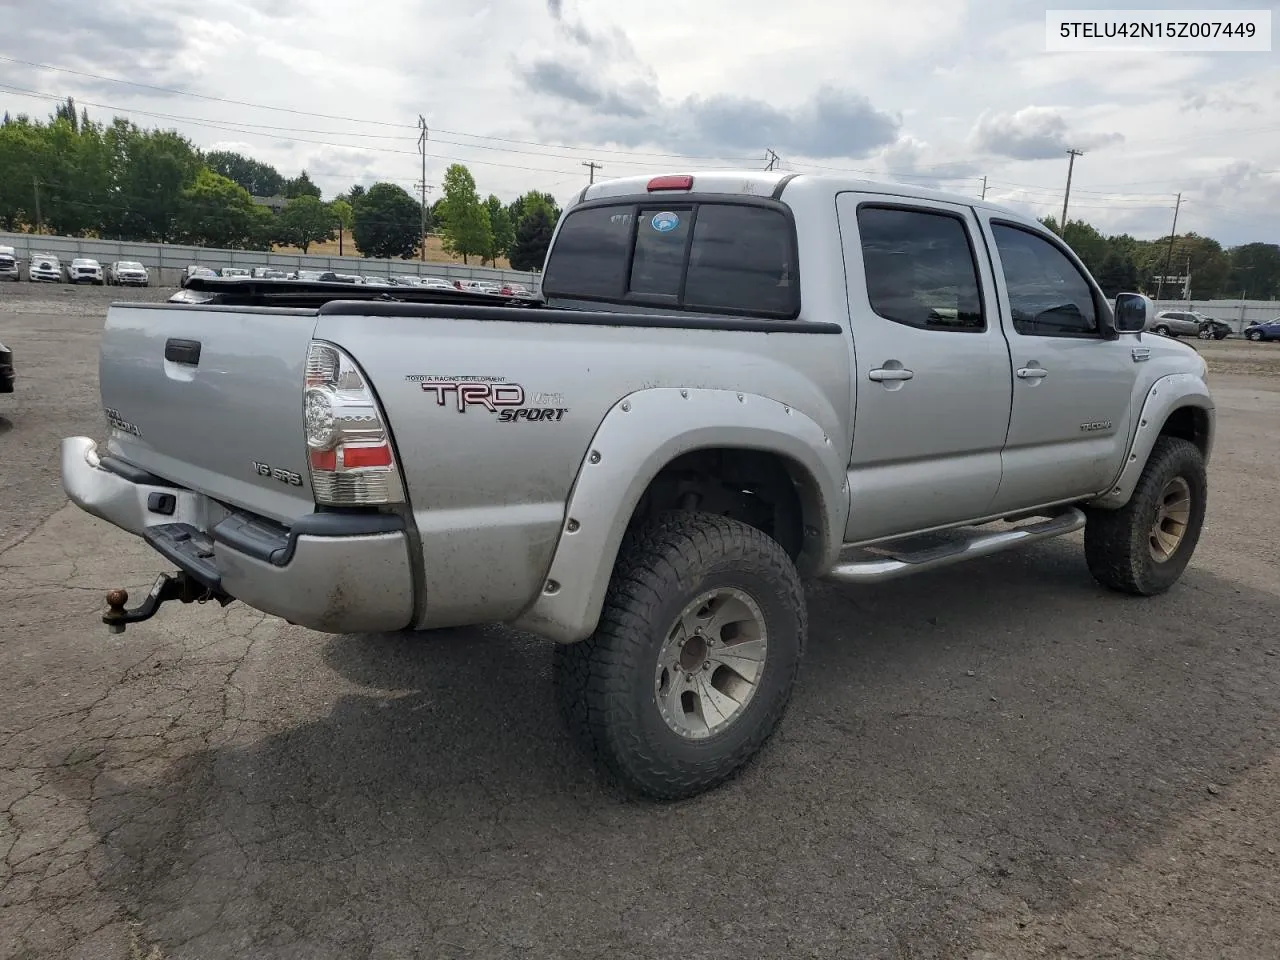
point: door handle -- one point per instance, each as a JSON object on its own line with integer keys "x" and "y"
{"x": 881, "y": 374}
{"x": 1032, "y": 373}
{"x": 182, "y": 351}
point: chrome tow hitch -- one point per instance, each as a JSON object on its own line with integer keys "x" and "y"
{"x": 179, "y": 586}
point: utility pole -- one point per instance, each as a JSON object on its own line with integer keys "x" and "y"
{"x": 771, "y": 158}
{"x": 422, "y": 184}
{"x": 1072, "y": 154}
{"x": 593, "y": 167}
{"x": 984, "y": 188}
{"x": 1173, "y": 232}
{"x": 35, "y": 182}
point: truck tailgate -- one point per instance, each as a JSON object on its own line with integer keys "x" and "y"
{"x": 207, "y": 396}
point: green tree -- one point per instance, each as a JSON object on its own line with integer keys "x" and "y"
{"x": 301, "y": 186}
{"x": 501, "y": 229}
{"x": 23, "y": 149}
{"x": 304, "y": 221}
{"x": 1117, "y": 274}
{"x": 260, "y": 179}
{"x": 155, "y": 167}
{"x": 533, "y": 238}
{"x": 1255, "y": 271}
{"x": 387, "y": 222}
{"x": 1207, "y": 261}
{"x": 464, "y": 222}
{"x": 524, "y": 204}
{"x": 343, "y": 215}
{"x": 218, "y": 212}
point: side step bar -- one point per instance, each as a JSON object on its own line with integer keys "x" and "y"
{"x": 978, "y": 544}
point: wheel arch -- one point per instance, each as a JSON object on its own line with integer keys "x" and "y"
{"x": 658, "y": 445}
{"x": 1177, "y": 405}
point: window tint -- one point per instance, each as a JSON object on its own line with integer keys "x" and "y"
{"x": 590, "y": 254}
{"x": 920, "y": 269}
{"x": 659, "y": 261}
{"x": 1048, "y": 296}
{"x": 740, "y": 260}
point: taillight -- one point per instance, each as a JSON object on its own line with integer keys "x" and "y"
{"x": 348, "y": 447}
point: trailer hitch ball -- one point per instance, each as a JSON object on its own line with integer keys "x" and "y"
{"x": 116, "y": 599}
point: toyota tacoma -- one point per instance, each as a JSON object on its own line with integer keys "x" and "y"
{"x": 731, "y": 382}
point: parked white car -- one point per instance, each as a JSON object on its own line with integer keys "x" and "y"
{"x": 85, "y": 270}
{"x": 45, "y": 268}
{"x": 128, "y": 273}
{"x": 233, "y": 272}
{"x": 10, "y": 267}
{"x": 436, "y": 283}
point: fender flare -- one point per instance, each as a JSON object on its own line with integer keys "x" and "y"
{"x": 1167, "y": 395}
{"x": 641, "y": 434}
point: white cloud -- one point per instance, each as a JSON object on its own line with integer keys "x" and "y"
{"x": 1034, "y": 133}
{"x": 524, "y": 91}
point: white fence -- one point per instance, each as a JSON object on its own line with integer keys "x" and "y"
{"x": 1237, "y": 313}
{"x": 168, "y": 262}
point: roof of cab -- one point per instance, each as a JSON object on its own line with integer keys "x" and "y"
{"x": 764, "y": 183}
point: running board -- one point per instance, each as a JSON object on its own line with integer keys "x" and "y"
{"x": 902, "y": 560}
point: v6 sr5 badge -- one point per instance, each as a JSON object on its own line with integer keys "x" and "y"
{"x": 506, "y": 401}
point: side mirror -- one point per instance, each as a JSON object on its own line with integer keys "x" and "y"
{"x": 1133, "y": 312}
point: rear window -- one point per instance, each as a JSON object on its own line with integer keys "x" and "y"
{"x": 720, "y": 257}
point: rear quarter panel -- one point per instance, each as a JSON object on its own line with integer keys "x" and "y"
{"x": 488, "y": 495}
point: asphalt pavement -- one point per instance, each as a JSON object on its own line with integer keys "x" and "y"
{"x": 1000, "y": 760}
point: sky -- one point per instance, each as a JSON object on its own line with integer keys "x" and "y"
{"x": 525, "y": 92}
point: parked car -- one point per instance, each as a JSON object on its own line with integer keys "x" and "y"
{"x": 269, "y": 273}
{"x": 1178, "y": 323}
{"x": 436, "y": 283}
{"x": 44, "y": 268}
{"x": 233, "y": 272}
{"x": 10, "y": 266}
{"x": 195, "y": 270}
{"x": 647, "y": 484}
{"x": 7, "y": 377}
{"x": 1263, "y": 331}
{"x": 85, "y": 270}
{"x": 128, "y": 273}
{"x": 1214, "y": 330}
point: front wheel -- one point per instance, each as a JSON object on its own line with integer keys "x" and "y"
{"x": 1206, "y": 334}
{"x": 1143, "y": 547}
{"x": 694, "y": 659}
{"x": 1253, "y": 335}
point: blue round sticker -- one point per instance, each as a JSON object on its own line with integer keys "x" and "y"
{"x": 664, "y": 222}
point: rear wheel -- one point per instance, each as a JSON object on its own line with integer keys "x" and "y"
{"x": 694, "y": 659}
{"x": 1143, "y": 547}
{"x": 1162, "y": 330}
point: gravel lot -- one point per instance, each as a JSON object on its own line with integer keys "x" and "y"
{"x": 997, "y": 761}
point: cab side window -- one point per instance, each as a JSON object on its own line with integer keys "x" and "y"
{"x": 920, "y": 269}
{"x": 1048, "y": 295}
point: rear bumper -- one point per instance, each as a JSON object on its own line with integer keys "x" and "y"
{"x": 337, "y": 573}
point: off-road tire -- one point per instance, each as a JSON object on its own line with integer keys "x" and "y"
{"x": 605, "y": 684}
{"x": 1116, "y": 542}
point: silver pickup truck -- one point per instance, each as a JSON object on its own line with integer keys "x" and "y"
{"x": 732, "y": 382}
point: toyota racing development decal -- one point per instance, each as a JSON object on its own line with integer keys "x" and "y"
{"x": 506, "y": 401}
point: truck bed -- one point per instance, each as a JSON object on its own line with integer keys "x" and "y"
{"x": 486, "y": 488}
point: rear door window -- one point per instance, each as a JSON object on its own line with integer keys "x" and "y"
{"x": 709, "y": 257}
